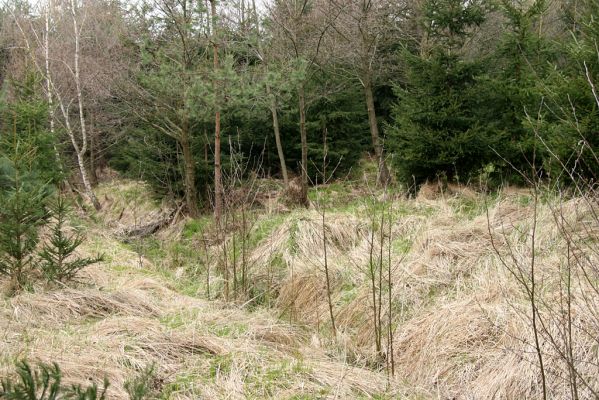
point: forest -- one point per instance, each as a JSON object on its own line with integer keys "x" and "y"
{"x": 299, "y": 199}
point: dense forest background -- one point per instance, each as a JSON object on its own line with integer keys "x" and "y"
{"x": 175, "y": 92}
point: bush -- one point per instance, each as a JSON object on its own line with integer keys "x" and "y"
{"x": 140, "y": 387}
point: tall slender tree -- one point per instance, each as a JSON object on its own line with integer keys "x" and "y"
{"x": 363, "y": 30}
{"x": 298, "y": 32}
{"x": 218, "y": 184}
{"x": 173, "y": 47}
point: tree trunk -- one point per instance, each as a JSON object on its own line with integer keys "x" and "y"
{"x": 49, "y": 96}
{"x": 81, "y": 152}
{"x": 191, "y": 198}
{"x": 304, "y": 140}
{"x": 384, "y": 176}
{"x": 217, "y": 161}
{"x": 92, "y": 153}
{"x": 275, "y": 125}
{"x": 86, "y": 183}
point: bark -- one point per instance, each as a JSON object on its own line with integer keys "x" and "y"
{"x": 92, "y": 153}
{"x": 384, "y": 176}
{"x": 83, "y": 149}
{"x": 218, "y": 192}
{"x": 49, "y": 96}
{"x": 277, "y": 131}
{"x": 86, "y": 182}
{"x": 304, "y": 140}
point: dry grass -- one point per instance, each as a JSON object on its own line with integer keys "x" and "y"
{"x": 461, "y": 320}
{"x": 123, "y": 315}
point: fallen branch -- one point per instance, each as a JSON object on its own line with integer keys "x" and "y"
{"x": 141, "y": 231}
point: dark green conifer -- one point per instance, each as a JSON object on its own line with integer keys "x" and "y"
{"x": 437, "y": 129}
{"x": 58, "y": 260}
{"x": 22, "y": 212}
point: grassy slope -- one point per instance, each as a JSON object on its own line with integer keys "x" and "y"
{"x": 129, "y": 312}
{"x": 458, "y": 316}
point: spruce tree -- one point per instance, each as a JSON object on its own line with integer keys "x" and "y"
{"x": 58, "y": 260}
{"x": 437, "y": 129}
{"x": 44, "y": 383}
{"x": 22, "y": 213}
{"x": 570, "y": 126}
{"x": 23, "y": 122}
{"x": 27, "y": 170}
{"x": 511, "y": 88}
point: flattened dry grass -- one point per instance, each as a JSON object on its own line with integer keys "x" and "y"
{"x": 461, "y": 321}
{"x": 123, "y": 315}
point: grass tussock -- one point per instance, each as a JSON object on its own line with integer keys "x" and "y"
{"x": 461, "y": 321}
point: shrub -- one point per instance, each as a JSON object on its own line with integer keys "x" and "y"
{"x": 57, "y": 256}
{"x": 140, "y": 387}
{"x": 22, "y": 212}
{"x": 45, "y": 383}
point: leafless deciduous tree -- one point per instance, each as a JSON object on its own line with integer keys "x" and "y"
{"x": 298, "y": 32}
{"x": 362, "y": 28}
{"x": 74, "y": 46}
{"x": 69, "y": 90}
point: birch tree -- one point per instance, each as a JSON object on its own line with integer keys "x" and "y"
{"x": 61, "y": 70}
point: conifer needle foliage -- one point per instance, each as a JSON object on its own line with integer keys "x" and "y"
{"x": 58, "y": 259}
{"x": 44, "y": 383}
{"x": 21, "y": 215}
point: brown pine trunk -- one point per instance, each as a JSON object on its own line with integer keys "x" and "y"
{"x": 217, "y": 159}
{"x": 304, "y": 140}
{"x": 384, "y": 176}
{"x": 277, "y": 131}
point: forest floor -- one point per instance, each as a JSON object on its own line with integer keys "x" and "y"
{"x": 459, "y": 319}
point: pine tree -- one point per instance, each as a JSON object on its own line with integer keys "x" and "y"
{"x": 58, "y": 260}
